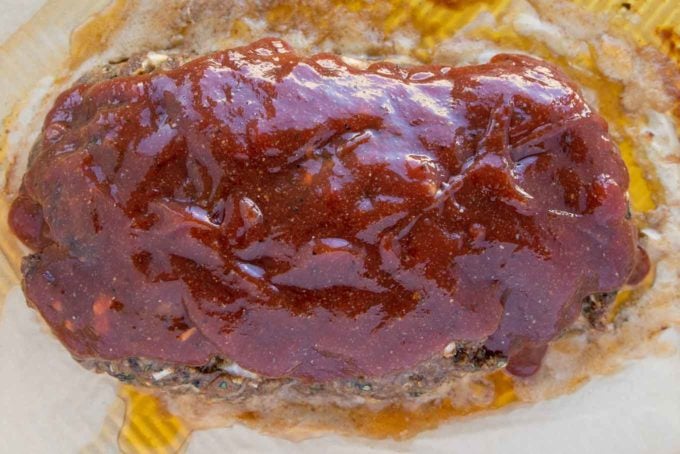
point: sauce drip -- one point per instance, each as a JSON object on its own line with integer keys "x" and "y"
{"x": 309, "y": 219}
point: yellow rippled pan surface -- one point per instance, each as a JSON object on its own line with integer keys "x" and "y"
{"x": 148, "y": 426}
{"x": 659, "y": 20}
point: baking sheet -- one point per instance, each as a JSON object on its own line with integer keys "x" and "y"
{"x": 48, "y": 403}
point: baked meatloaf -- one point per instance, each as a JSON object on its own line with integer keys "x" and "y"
{"x": 262, "y": 217}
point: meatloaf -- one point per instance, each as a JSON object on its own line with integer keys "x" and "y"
{"x": 255, "y": 216}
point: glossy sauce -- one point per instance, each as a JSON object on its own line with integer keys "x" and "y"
{"x": 310, "y": 219}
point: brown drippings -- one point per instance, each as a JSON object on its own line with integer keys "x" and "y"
{"x": 93, "y": 36}
{"x": 149, "y": 427}
{"x": 628, "y": 296}
{"x": 670, "y": 41}
{"x": 395, "y": 421}
{"x": 399, "y": 422}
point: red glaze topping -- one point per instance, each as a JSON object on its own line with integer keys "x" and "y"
{"x": 307, "y": 218}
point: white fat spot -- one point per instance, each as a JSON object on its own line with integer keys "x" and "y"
{"x": 235, "y": 369}
{"x": 155, "y": 58}
{"x": 161, "y": 374}
{"x": 532, "y": 26}
{"x": 663, "y": 146}
{"x": 355, "y": 62}
{"x": 652, "y": 234}
{"x": 449, "y": 349}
